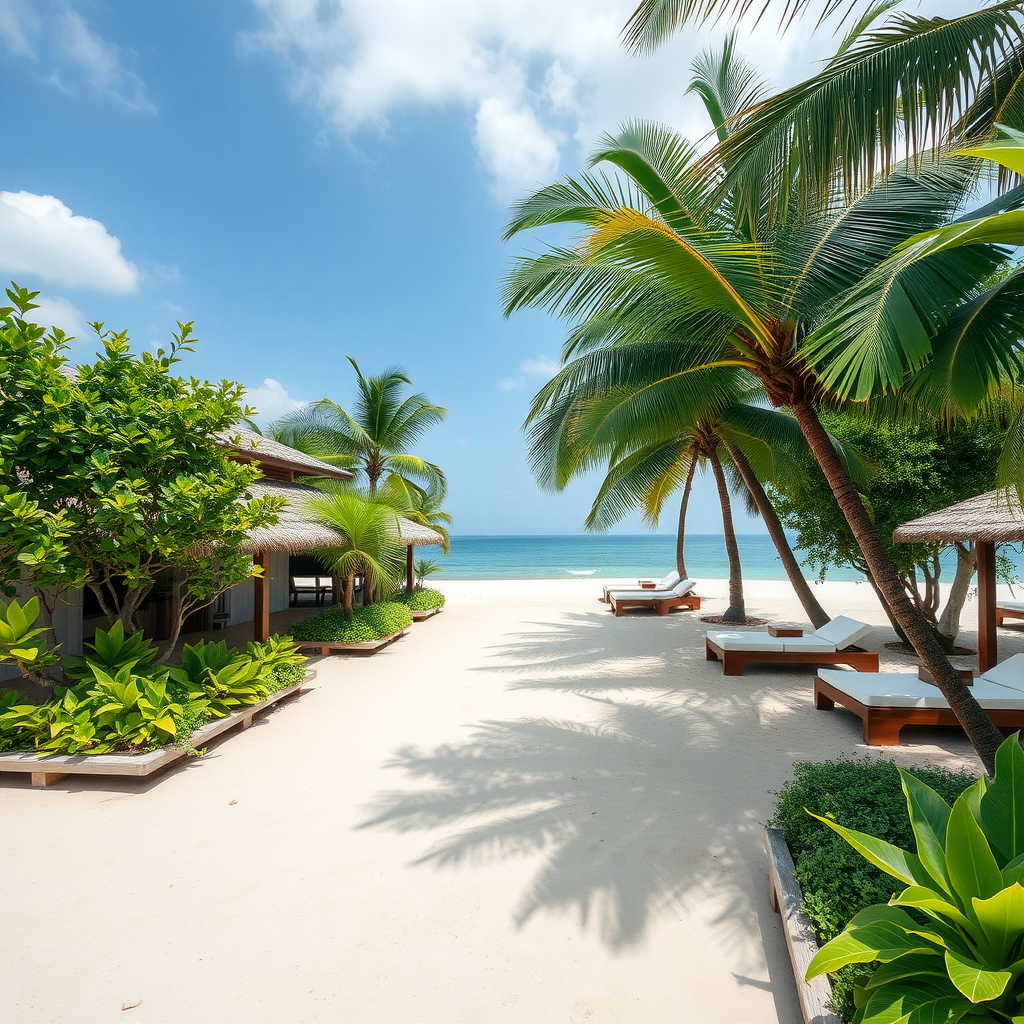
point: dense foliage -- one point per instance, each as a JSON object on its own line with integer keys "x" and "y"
{"x": 123, "y": 702}
{"x": 367, "y": 623}
{"x": 122, "y": 470}
{"x": 949, "y": 945}
{"x": 422, "y": 599}
{"x": 836, "y": 881}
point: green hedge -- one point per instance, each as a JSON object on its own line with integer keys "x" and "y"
{"x": 837, "y": 882}
{"x": 422, "y": 599}
{"x": 372, "y": 623}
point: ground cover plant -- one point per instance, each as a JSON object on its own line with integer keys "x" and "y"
{"x": 372, "y": 622}
{"x": 837, "y": 883}
{"x": 123, "y": 702}
{"x": 422, "y": 599}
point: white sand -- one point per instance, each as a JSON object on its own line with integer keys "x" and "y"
{"x": 526, "y": 811}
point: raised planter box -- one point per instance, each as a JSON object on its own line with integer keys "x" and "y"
{"x": 45, "y": 770}
{"x": 419, "y": 616}
{"x": 786, "y": 898}
{"x": 363, "y": 647}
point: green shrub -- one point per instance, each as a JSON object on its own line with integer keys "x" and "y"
{"x": 366, "y": 624}
{"x": 865, "y": 795}
{"x": 422, "y": 599}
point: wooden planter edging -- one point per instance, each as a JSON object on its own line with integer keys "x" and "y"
{"x": 362, "y": 647}
{"x": 786, "y": 898}
{"x": 46, "y": 770}
{"x": 419, "y": 616}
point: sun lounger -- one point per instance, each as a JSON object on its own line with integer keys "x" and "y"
{"x": 662, "y": 601}
{"x": 318, "y": 586}
{"x": 832, "y": 644}
{"x": 887, "y": 701}
{"x": 1009, "y": 610}
{"x": 666, "y": 583}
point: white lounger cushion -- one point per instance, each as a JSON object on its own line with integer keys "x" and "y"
{"x": 669, "y": 581}
{"x": 1011, "y": 606}
{"x": 902, "y": 690}
{"x": 681, "y": 589}
{"x": 1007, "y": 673}
{"x": 843, "y": 631}
{"x": 813, "y": 644}
{"x": 746, "y": 640}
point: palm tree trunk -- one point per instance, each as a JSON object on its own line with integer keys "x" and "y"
{"x": 346, "y": 597}
{"x": 681, "y": 531}
{"x": 736, "y": 611}
{"x": 984, "y": 736}
{"x": 812, "y": 608}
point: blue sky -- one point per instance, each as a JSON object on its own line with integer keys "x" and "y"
{"x": 309, "y": 180}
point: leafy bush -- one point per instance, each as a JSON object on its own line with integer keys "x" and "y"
{"x": 837, "y": 883}
{"x": 366, "y": 624}
{"x": 124, "y": 703}
{"x": 950, "y": 944}
{"x": 21, "y": 641}
{"x": 422, "y": 599}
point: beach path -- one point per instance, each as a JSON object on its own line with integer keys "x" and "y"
{"x": 525, "y": 811}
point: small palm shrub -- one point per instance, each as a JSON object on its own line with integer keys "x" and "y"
{"x": 422, "y": 599}
{"x": 367, "y": 624}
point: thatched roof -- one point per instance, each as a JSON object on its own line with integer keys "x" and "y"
{"x": 256, "y": 448}
{"x": 995, "y": 516}
{"x": 297, "y": 531}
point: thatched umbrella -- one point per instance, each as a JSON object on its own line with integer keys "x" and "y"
{"x": 987, "y": 519}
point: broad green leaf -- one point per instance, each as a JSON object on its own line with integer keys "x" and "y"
{"x": 17, "y": 618}
{"x": 1001, "y": 918}
{"x": 928, "y": 899}
{"x": 973, "y": 870}
{"x": 929, "y": 817}
{"x": 1002, "y": 806}
{"x": 876, "y": 933}
{"x": 1014, "y": 871}
{"x": 973, "y": 795}
{"x": 907, "y": 967}
{"x": 907, "y": 867}
{"x": 973, "y": 980}
{"x": 166, "y": 724}
{"x": 925, "y": 999}
{"x": 1007, "y": 151}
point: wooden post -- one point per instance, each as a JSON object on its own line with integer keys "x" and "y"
{"x": 261, "y": 602}
{"x": 409, "y": 578}
{"x": 987, "y": 656}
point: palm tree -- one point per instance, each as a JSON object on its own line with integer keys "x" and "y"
{"x": 372, "y": 545}
{"x": 766, "y": 297}
{"x": 899, "y": 86}
{"x": 422, "y": 505}
{"x": 374, "y": 440}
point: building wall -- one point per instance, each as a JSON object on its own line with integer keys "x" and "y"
{"x": 67, "y": 626}
{"x": 242, "y": 597}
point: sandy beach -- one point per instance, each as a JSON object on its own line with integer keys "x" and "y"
{"x": 525, "y": 811}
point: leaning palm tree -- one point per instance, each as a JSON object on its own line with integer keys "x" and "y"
{"x": 375, "y": 439}
{"x": 371, "y": 546}
{"x": 762, "y": 296}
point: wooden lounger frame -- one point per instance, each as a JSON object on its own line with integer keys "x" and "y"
{"x": 882, "y": 725}
{"x": 733, "y": 661}
{"x": 662, "y": 606}
{"x": 1007, "y": 613}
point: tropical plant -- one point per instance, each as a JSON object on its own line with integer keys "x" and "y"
{"x": 759, "y": 292}
{"x": 419, "y": 505}
{"x": 362, "y": 625}
{"x": 422, "y": 599}
{"x": 374, "y": 441}
{"x": 128, "y": 464}
{"x": 21, "y": 640}
{"x": 966, "y": 960}
{"x": 372, "y": 545}
{"x": 112, "y": 651}
{"x": 425, "y": 568}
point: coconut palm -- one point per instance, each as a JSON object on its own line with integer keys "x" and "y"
{"x": 763, "y": 297}
{"x": 895, "y": 86}
{"x": 422, "y": 505}
{"x": 374, "y": 441}
{"x": 372, "y": 545}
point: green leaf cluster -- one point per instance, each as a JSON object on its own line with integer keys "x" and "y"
{"x": 860, "y": 793}
{"x": 422, "y": 599}
{"x": 950, "y": 945}
{"x": 367, "y": 623}
{"x": 21, "y": 640}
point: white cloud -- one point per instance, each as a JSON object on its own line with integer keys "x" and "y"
{"x": 39, "y": 235}
{"x": 510, "y": 384}
{"x": 271, "y": 400}
{"x": 69, "y": 53}
{"x": 534, "y": 75}
{"x": 540, "y": 367}
{"x": 59, "y": 312}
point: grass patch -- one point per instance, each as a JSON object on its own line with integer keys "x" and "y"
{"x": 366, "y": 624}
{"x": 422, "y": 599}
{"x": 837, "y": 882}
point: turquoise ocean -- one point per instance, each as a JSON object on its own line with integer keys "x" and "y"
{"x": 568, "y": 557}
